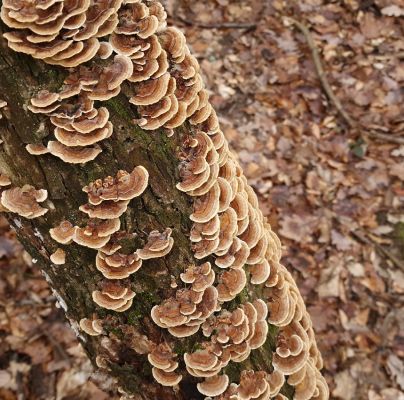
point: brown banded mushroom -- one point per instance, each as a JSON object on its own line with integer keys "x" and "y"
{"x": 166, "y": 378}
{"x": 63, "y": 233}
{"x": 105, "y": 210}
{"x": 36, "y": 149}
{"x": 164, "y": 365}
{"x": 252, "y": 385}
{"x": 183, "y": 314}
{"x": 124, "y": 186}
{"x": 24, "y": 201}
{"x": 114, "y": 296}
{"x": 97, "y": 233}
{"x": 167, "y": 88}
{"x": 73, "y": 155}
{"x": 214, "y": 386}
{"x": 92, "y": 327}
{"x": 3, "y": 104}
{"x": 158, "y": 245}
{"x": 74, "y": 138}
{"x": 58, "y": 257}
{"x": 201, "y": 277}
{"x": 232, "y": 282}
{"x": 117, "y": 266}
{"x": 152, "y": 91}
{"x": 292, "y": 349}
{"x": 4, "y": 180}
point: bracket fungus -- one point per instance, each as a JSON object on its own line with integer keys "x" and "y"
{"x": 92, "y": 327}
{"x": 114, "y": 296}
{"x": 124, "y": 186}
{"x": 235, "y": 250}
{"x": 158, "y": 245}
{"x": 63, "y": 233}
{"x": 164, "y": 365}
{"x": 58, "y": 257}
{"x": 214, "y": 386}
{"x": 117, "y": 266}
{"x": 4, "y": 180}
{"x": 3, "y": 104}
{"x": 24, "y": 201}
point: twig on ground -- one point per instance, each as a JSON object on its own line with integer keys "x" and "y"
{"x": 363, "y": 237}
{"x": 218, "y": 25}
{"x": 330, "y": 93}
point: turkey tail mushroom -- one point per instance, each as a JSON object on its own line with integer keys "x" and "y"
{"x": 235, "y": 287}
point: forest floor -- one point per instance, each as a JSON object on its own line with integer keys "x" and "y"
{"x": 326, "y": 160}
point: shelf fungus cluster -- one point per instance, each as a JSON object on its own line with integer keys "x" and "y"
{"x": 237, "y": 255}
{"x": 164, "y": 363}
{"x": 64, "y": 33}
{"x": 78, "y": 124}
{"x": 108, "y": 199}
{"x": 232, "y": 337}
{"x": 183, "y": 314}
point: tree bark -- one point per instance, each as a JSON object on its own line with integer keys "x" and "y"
{"x": 161, "y": 206}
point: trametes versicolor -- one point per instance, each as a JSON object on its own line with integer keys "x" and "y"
{"x": 137, "y": 47}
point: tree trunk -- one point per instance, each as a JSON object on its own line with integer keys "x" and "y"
{"x": 161, "y": 206}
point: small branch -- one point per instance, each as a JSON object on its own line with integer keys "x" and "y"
{"x": 384, "y": 137}
{"x": 330, "y": 92}
{"x": 389, "y": 56}
{"x": 218, "y": 25}
{"x": 368, "y": 240}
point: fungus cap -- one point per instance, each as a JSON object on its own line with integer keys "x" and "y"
{"x": 73, "y": 155}
{"x": 105, "y": 210}
{"x": 24, "y": 201}
{"x": 4, "y": 180}
{"x": 158, "y": 245}
{"x": 63, "y": 233}
{"x": 214, "y": 386}
{"x": 58, "y": 257}
{"x": 166, "y": 378}
{"x": 36, "y": 149}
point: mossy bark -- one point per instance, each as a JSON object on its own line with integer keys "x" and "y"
{"x": 161, "y": 206}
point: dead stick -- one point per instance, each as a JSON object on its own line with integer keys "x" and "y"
{"x": 330, "y": 93}
{"x": 363, "y": 237}
{"x": 320, "y": 71}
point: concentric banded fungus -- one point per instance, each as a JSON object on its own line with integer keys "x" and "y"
{"x": 63, "y": 233}
{"x": 114, "y": 296}
{"x": 253, "y": 385}
{"x": 164, "y": 365}
{"x": 3, "y": 104}
{"x": 164, "y": 83}
{"x": 73, "y": 155}
{"x": 292, "y": 351}
{"x": 158, "y": 245}
{"x": 24, "y": 201}
{"x": 36, "y": 149}
{"x": 105, "y": 210}
{"x": 124, "y": 186}
{"x": 61, "y": 33}
{"x": 214, "y": 386}
{"x": 58, "y": 257}
{"x": 97, "y": 233}
{"x": 183, "y": 314}
{"x": 4, "y": 180}
{"x": 117, "y": 266}
{"x": 92, "y": 327}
